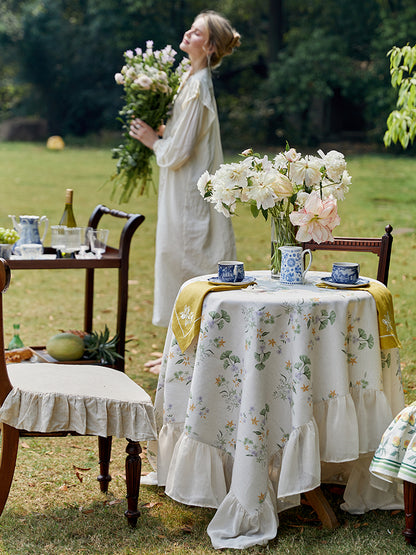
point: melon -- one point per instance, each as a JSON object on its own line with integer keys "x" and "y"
{"x": 65, "y": 346}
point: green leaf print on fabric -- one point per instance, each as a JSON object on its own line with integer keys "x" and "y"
{"x": 323, "y": 319}
{"x": 257, "y": 447}
{"x": 365, "y": 341}
{"x": 220, "y": 319}
{"x": 385, "y": 360}
{"x": 298, "y": 376}
{"x": 229, "y": 388}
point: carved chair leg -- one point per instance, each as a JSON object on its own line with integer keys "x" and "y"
{"x": 9, "y": 447}
{"x": 409, "y": 491}
{"x": 104, "y": 453}
{"x": 133, "y": 471}
{"x": 323, "y": 509}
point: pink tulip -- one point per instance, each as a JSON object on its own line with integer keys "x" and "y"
{"x": 316, "y": 219}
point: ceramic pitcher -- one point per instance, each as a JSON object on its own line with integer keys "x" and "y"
{"x": 293, "y": 264}
{"x": 28, "y": 229}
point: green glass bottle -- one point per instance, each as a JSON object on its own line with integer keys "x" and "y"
{"x": 16, "y": 342}
{"x": 68, "y": 217}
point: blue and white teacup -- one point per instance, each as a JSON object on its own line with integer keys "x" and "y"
{"x": 345, "y": 272}
{"x": 230, "y": 271}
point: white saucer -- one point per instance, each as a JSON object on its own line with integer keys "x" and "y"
{"x": 216, "y": 281}
{"x": 359, "y": 283}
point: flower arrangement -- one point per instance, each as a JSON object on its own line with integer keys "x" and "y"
{"x": 299, "y": 190}
{"x": 150, "y": 82}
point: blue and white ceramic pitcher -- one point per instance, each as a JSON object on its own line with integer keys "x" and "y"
{"x": 28, "y": 229}
{"x": 292, "y": 270}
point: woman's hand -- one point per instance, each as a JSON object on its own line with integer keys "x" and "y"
{"x": 142, "y": 132}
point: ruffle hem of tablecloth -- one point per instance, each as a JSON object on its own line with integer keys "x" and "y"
{"x": 199, "y": 474}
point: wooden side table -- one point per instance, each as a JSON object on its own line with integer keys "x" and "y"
{"x": 112, "y": 258}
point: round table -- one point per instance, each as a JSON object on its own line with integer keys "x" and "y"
{"x": 284, "y": 387}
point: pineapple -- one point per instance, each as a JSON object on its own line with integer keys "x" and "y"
{"x": 98, "y": 345}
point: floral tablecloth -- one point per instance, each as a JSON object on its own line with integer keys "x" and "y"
{"x": 284, "y": 387}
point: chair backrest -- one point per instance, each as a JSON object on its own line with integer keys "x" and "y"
{"x": 5, "y": 385}
{"x": 380, "y": 246}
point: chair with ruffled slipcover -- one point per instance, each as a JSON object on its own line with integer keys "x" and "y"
{"x": 59, "y": 399}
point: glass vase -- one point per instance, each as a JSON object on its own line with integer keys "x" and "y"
{"x": 283, "y": 233}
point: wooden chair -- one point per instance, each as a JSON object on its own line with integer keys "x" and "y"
{"x": 46, "y": 398}
{"x": 381, "y": 247}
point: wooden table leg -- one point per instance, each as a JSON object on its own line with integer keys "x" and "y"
{"x": 133, "y": 471}
{"x": 409, "y": 491}
{"x": 323, "y": 509}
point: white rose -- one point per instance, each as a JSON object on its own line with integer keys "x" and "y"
{"x": 281, "y": 185}
{"x": 202, "y": 183}
{"x": 144, "y": 82}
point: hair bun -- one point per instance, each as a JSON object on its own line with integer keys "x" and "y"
{"x": 235, "y": 42}
{"x": 221, "y": 35}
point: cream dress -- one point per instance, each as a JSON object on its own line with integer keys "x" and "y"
{"x": 191, "y": 236}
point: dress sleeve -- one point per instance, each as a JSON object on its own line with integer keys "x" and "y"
{"x": 195, "y": 118}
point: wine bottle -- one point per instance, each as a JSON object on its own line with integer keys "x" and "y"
{"x": 68, "y": 217}
{"x": 15, "y": 342}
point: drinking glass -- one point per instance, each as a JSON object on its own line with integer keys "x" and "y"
{"x": 98, "y": 240}
{"x": 58, "y": 237}
{"x": 72, "y": 239}
{"x": 85, "y": 241}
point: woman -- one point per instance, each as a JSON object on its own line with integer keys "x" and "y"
{"x": 191, "y": 237}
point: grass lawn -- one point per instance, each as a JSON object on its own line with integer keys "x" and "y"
{"x": 50, "y": 510}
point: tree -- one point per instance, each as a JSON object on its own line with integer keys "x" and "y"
{"x": 11, "y": 90}
{"x": 401, "y": 123}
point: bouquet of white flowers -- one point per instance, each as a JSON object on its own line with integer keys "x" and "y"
{"x": 299, "y": 192}
{"x": 150, "y": 83}
{"x": 304, "y": 188}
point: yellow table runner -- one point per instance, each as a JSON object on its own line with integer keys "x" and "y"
{"x": 385, "y": 312}
{"x": 186, "y": 318}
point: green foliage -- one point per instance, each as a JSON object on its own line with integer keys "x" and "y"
{"x": 401, "y": 123}
{"x": 313, "y": 71}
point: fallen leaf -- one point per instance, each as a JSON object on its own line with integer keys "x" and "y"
{"x": 187, "y": 529}
{"x": 396, "y": 512}
{"x": 297, "y": 526}
{"x": 113, "y": 502}
{"x": 303, "y": 519}
{"x": 25, "y": 445}
{"x": 150, "y": 505}
{"x": 66, "y": 487}
{"x": 81, "y": 469}
{"x": 86, "y": 511}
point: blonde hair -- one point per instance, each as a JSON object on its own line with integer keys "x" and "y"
{"x": 222, "y": 36}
